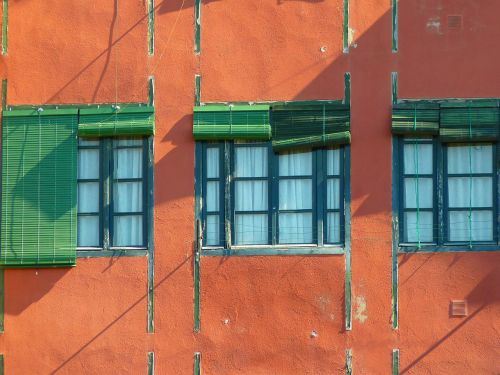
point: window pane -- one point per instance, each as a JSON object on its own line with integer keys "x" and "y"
{"x": 421, "y": 187}
{"x": 250, "y": 162}
{"x": 88, "y": 164}
{"x": 333, "y": 193}
{"x": 423, "y": 231}
{"x": 212, "y": 230}
{"x": 333, "y": 161}
{"x": 470, "y": 159}
{"x": 88, "y": 142}
{"x": 88, "y": 231}
{"x": 88, "y": 197}
{"x": 333, "y": 227}
{"x": 460, "y": 195}
{"x": 251, "y": 195}
{"x": 127, "y": 197}
{"x": 212, "y": 196}
{"x": 212, "y": 162}
{"x": 295, "y": 228}
{"x": 418, "y": 158}
{"x": 128, "y": 142}
{"x": 295, "y": 195}
{"x": 460, "y": 225}
{"x": 251, "y": 229}
{"x": 128, "y": 163}
{"x": 128, "y": 231}
{"x": 295, "y": 164}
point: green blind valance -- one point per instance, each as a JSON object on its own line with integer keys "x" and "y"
{"x": 115, "y": 121}
{"x": 39, "y": 163}
{"x": 469, "y": 121}
{"x": 415, "y": 118}
{"x": 297, "y": 125}
{"x": 227, "y": 122}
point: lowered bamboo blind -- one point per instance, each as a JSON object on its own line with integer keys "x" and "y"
{"x": 415, "y": 118}
{"x": 297, "y": 125}
{"x": 112, "y": 121}
{"x": 469, "y": 121}
{"x": 221, "y": 122}
{"x": 39, "y": 163}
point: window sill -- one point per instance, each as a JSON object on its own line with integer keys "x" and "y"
{"x": 446, "y": 248}
{"x": 112, "y": 253}
{"x": 273, "y": 250}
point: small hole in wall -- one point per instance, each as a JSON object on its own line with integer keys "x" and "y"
{"x": 458, "y": 308}
{"x": 454, "y": 22}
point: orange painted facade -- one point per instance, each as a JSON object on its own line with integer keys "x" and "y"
{"x": 257, "y": 313}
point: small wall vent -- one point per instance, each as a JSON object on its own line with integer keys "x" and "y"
{"x": 458, "y": 308}
{"x": 454, "y": 22}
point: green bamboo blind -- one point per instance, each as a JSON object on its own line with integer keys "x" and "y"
{"x": 469, "y": 121}
{"x": 297, "y": 125}
{"x": 415, "y": 118}
{"x": 228, "y": 122}
{"x": 39, "y": 163}
{"x": 116, "y": 121}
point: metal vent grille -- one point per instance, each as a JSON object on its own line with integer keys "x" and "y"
{"x": 455, "y": 22}
{"x": 458, "y": 308}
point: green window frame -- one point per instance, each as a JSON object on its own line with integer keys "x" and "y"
{"x": 107, "y": 181}
{"x": 441, "y": 208}
{"x": 222, "y": 215}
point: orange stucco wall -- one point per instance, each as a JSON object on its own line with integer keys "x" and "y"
{"x": 257, "y": 313}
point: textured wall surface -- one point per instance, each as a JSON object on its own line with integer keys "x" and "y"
{"x": 268, "y": 314}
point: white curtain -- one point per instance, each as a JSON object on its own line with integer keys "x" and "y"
{"x": 88, "y": 195}
{"x": 470, "y": 192}
{"x": 251, "y": 195}
{"x": 418, "y": 193}
{"x": 212, "y": 199}
{"x": 128, "y": 196}
{"x": 333, "y": 162}
{"x": 295, "y": 194}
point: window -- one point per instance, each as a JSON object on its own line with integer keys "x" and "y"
{"x": 254, "y": 197}
{"x": 449, "y": 192}
{"x": 112, "y": 193}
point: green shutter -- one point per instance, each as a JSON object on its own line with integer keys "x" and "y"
{"x": 111, "y": 121}
{"x": 469, "y": 121}
{"x": 39, "y": 163}
{"x": 415, "y": 118}
{"x": 297, "y": 125}
{"x": 221, "y": 122}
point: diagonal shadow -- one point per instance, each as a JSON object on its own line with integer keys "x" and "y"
{"x": 113, "y": 322}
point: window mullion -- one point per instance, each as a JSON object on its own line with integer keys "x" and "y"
{"x": 228, "y": 196}
{"x": 439, "y": 175}
{"x": 496, "y": 172}
{"x": 106, "y": 168}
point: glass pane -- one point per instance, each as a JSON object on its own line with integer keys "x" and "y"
{"x": 127, "y": 197}
{"x": 128, "y": 231}
{"x": 333, "y": 162}
{"x": 128, "y": 163}
{"x": 460, "y": 195}
{"x": 470, "y": 159}
{"x": 295, "y": 164}
{"x": 88, "y": 142}
{"x": 295, "y": 195}
{"x": 251, "y": 195}
{"x": 88, "y": 197}
{"x": 212, "y": 162}
{"x": 333, "y": 193}
{"x": 251, "y": 229}
{"x": 88, "y": 231}
{"x": 295, "y": 228}
{"x": 88, "y": 164}
{"x": 460, "y": 225}
{"x": 419, "y": 228}
{"x": 333, "y": 227}
{"x": 128, "y": 142}
{"x": 212, "y": 231}
{"x": 212, "y": 200}
{"x": 250, "y": 162}
{"x": 421, "y": 187}
{"x": 418, "y": 158}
